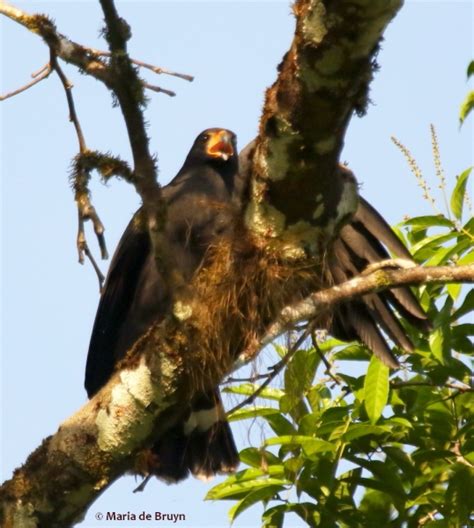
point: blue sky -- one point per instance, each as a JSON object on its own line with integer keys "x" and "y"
{"x": 232, "y": 48}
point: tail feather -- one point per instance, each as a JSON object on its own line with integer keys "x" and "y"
{"x": 211, "y": 452}
{"x": 202, "y": 444}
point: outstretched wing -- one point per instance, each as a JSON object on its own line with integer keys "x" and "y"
{"x": 361, "y": 243}
{"x": 119, "y": 291}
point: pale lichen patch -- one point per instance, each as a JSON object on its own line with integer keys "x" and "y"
{"x": 66, "y": 48}
{"x": 278, "y": 160}
{"x": 139, "y": 384}
{"x": 24, "y": 515}
{"x": 303, "y": 237}
{"x": 314, "y": 28}
{"x": 182, "y": 311}
{"x": 118, "y": 428}
{"x": 349, "y": 198}
{"x": 264, "y": 219}
{"x": 298, "y": 240}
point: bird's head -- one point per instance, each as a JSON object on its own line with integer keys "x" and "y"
{"x": 215, "y": 144}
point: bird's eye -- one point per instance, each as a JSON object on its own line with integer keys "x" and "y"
{"x": 205, "y": 137}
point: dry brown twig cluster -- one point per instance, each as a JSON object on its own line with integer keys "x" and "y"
{"x": 92, "y": 61}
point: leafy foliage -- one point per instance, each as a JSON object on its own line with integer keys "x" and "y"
{"x": 359, "y": 445}
{"x": 468, "y": 103}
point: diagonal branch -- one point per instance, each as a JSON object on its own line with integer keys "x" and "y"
{"x": 64, "y": 48}
{"x": 376, "y": 281}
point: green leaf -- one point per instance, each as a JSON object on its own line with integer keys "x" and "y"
{"x": 428, "y": 245}
{"x": 429, "y": 221}
{"x": 239, "y": 485}
{"x": 258, "y": 458}
{"x": 469, "y": 226}
{"x": 402, "y": 460}
{"x": 376, "y": 387}
{"x": 466, "y": 307}
{"x": 377, "y": 507}
{"x": 466, "y": 107}
{"x": 247, "y": 389}
{"x": 466, "y": 259}
{"x": 300, "y": 373}
{"x": 388, "y": 479}
{"x": 259, "y": 495}
{"x": 353, "y": 352}
{"x": 454, "y": 290}
{"x": 444, "y": 254}
{"x": 359, "y": 430}
{"x": 251, "y": 412}
{"x": 279, "y": 424}
{"x": 470, "y": 69}
{"x": 457, "y": 197}
{"x": 436, "y": 340}
{"x": 309, "y": 444}
{"x": 460, "y": 494}
{"x": 273, "y": 517}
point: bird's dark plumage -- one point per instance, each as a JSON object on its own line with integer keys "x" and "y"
{"x": 202, "y": 204}
{"x": 361, "y": 243}
{"x": 135, "y": 295}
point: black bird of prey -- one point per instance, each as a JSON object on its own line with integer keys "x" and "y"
{"x": 201, "y": 203}
{"x": 199, "y": 209}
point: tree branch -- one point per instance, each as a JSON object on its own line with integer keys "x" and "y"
{"x": 378, "y": 280}
{"x": 300, "y": 196}
{"x": 39, "y": 76}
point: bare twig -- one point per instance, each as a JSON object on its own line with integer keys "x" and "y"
{"x": 326, "y": 362}
{"x": 70, "y": 101}
{"x": 155, "y": 69}
{"x": 86, "y": 211}
{"x": 37, "y": 77}
{"x": 158, "y": 89}
{"x": 275, "y": 370}
{"x": 430, "y": 516}
{"x": 456, "y": 449}
{"x": 250, "y": 379}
